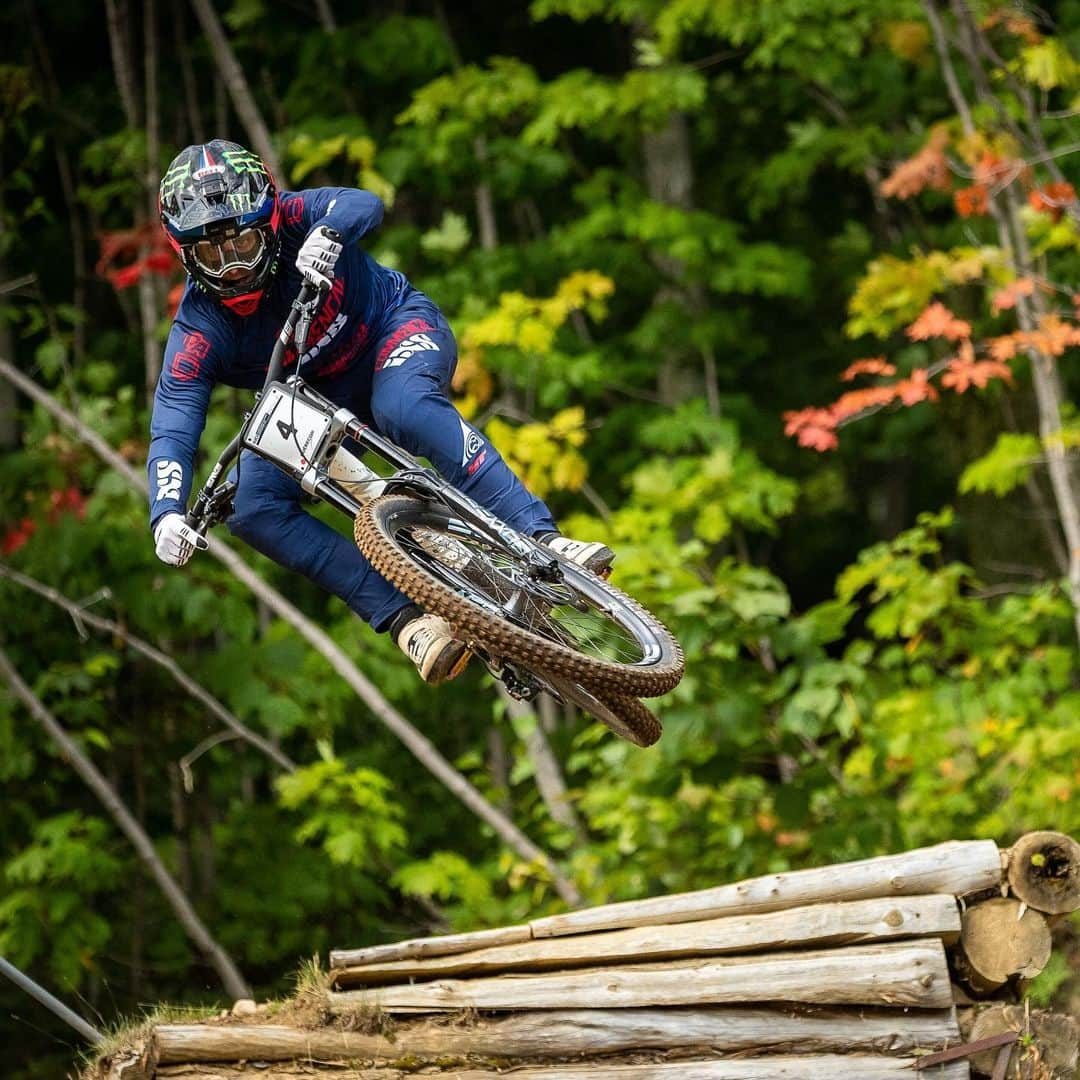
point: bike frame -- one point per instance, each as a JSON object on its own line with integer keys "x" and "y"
{"x": 302, "y": 432}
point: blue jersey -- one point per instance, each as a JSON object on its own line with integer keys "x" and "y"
{"x": 209, "y": 344}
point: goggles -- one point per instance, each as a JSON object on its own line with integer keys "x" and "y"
{"x": 241, "y": 252}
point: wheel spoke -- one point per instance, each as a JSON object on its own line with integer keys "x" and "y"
{"x": 498, "y": 576}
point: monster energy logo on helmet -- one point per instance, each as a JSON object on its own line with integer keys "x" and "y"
{"x": 177, "y": 174}
{"x": 244, "y": 161}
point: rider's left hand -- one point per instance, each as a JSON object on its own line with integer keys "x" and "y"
{"x": 318, "y": 255}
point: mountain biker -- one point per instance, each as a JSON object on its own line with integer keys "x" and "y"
{"x": 377, "y": 346}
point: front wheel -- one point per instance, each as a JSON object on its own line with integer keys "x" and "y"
{"x": 568, "y": 623}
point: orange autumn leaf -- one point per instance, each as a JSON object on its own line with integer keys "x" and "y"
{"x": 962, "y": 374}
{"x": 814, "y": 428}
{"x": 1005, "y": 347}
{"x": 1053, "y": 198}
{"x": 857, "y": 401}
{"x": 917, "y": 387}
{"x": 1006, "y": 298}
{"x": 875, "y": 365}
{"x": 927, "y": 168}
{"x": 1053, "y": 337}
{"x": 938, "y": 321}
{"x": 1013, "y": 22}
{"x": 972, "y": 201}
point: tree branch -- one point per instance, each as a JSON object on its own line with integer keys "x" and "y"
{"x": 80, "y": 616}
{"x": 177, "y": 899}
{"x": 242, "y": 98}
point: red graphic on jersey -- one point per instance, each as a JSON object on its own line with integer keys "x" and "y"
{"x": 187, "y": 363}
{"x": 476, "y": 462}
{"x": 348, "y": 352}
{"x": 326, "y": 317}
{"x": 413, "y": 326}
{"x": 293, "y": 209}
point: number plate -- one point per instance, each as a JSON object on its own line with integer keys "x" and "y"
{"x": 286, "y": 429}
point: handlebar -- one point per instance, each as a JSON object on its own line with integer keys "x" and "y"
{"x": 296, "y": 328}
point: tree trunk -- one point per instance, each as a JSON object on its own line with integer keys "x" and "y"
{"x": 326, "y": 15}
{"x": 418, "y": 744}
{"x": 958, "y": 867}
{"x": 546, "y": 769}
{"x": 118, "y": 20}
{"x": 443, "y": 945}
{"x": 242, "y": 98}
{"x": 187, "y": 75}
{"x": 845, "y": 923}
{"x": 824, "y": 1067}
{"x": 186, "y": 915}
{"x": 9, "y": 420}
{"x": 899, "y": 974}
{"x": 567, "y": 1033}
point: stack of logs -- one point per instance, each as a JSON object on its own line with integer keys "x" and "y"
{"x": 906, "y": 965}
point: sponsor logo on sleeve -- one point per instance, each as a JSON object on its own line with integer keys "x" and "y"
{"x": 293, "y": 209}
{"x": 170, "y": 478}
{"x": 187, "y": 362}
{"x": 473, "y": 451}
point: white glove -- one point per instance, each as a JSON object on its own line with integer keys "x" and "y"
{"x": 175, "y": 541}
{"x": 317, "y": 257}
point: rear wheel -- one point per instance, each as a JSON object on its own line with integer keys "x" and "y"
{"x": 627, "y": 717}
{"x": 548, "y": 614}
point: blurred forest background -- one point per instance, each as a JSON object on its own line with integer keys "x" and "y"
{"x": 663, "y": 231}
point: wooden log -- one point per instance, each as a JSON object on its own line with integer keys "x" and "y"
{"x": 1044, "y": 872}
{"x": 824, "y": 1067}
{"x": 1000, "y": 939}
{"x": 432, "y": 946}
{"x": 568, "y": 1033}
{"x": 899, "y": 973}
{"x": 958, "y": 867}
{"x": 1051, "y": 1041}
{"x": 848, "y": 922}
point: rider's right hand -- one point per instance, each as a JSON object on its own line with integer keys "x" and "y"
{"x": 175, "y": 541}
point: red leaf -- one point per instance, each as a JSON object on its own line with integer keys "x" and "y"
{"x": 814, "y": 428}
{"x": 938, "y": 321}
{"x": 963, "y": 374}
{"x": 1006, "y": 298}
{"x": 928, "y": 168}
{"x": 876, "y": 365}
{"x": 1052, "y": 198}
{"x": 972, "y": 201}
{"x": 917, "y": 387}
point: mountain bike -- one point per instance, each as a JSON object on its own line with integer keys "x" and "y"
{"x": 538, "y": 622}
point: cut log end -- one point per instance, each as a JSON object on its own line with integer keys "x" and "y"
{"x": 1001, "y": 940}
{"x": 1044, "y": 872}
{"x": 1051, "y": 1039}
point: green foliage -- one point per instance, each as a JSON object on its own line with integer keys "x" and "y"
{"x": 51, "y": 888}
{"x": 1008, "y": 464}
{"x": 349, "y": 812}
{"x": 687, "y": 243}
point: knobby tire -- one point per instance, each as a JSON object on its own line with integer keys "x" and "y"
{"x": 607, "y": 679}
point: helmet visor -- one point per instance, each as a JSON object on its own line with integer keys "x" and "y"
{"x": 233, "y": 259}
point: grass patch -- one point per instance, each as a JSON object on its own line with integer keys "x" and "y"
{"x": 130, "y": 1032}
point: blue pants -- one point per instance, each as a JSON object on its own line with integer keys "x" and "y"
{"x": 399, "y": 387}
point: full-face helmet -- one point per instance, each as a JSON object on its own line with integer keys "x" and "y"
{"x": 220, "y": 211}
